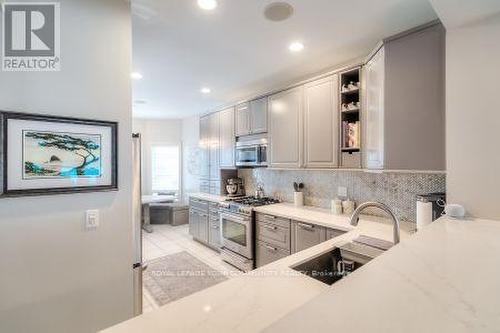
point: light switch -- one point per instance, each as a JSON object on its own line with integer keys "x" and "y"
{"x": 342, "y": 192}
{"x": 91, "y": 219}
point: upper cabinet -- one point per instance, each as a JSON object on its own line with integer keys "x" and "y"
{"x": 251, "y": 117}
{"x": 227, "y": 138}
{"x": 242, "y": 119}
{"x": 405, "y": 103}
{"x": 321, "y": 123}
{"x": 214, "y": 145}
{"x": 205, "y": 148}
{"x": 258, "y": 116}
{"x": 286, "y": 128}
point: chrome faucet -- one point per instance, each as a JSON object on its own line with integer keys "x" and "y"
{"x": 355, "y": 217}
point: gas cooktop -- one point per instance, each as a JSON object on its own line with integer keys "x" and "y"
{"x": 244, "y": 205}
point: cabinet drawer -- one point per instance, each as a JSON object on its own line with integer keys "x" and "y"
{"x": 198, "y": 204}
{"x": 267, "y": 253}
{"x": 279, "y": 221}
{"x": 332, "y": 233}
{"x": 351, "y": 160}
{"x": 274, "y": 235}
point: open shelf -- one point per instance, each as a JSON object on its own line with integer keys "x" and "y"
{"x": 350, "y": 119}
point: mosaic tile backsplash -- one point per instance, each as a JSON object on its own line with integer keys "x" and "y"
{"x": 397, "y": 190}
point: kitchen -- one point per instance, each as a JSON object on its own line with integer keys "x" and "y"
{"x": 302, "y": 185}
{"x": 251, "y": 166}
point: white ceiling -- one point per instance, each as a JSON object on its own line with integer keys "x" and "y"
{"x": 236, "y": 52}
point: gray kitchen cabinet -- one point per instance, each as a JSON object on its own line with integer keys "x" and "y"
{"x": 405, "y": 107}
{"x": 332, "y": 233}
{"x": 321, "y": 123}
{"x": 306, "y": 235}
{"x": 193, "y": 222}
{"x": 266, "y": 253}
{"x": 242, "y": 119}
{"x": 214, "y": 232}
{"x": 214, "y": 146}
{"x": 204, "y": 148}
{"x": 202, "y": 227}
{"x": 227, "y": 138}
{"x": 286, "y": 129}
{"x": 258, "y": 116}
{"x": 198, "y": 219}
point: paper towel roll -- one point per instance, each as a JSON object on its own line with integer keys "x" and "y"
{"x": 424, "y": 214}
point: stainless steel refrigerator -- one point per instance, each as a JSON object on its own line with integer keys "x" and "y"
{"x": 138, "y": 266}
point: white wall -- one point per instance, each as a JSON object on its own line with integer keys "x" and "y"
{"x": 155, "y": 132}
{"x": 473, "y": 117}
{"x": 55, "y": 276}
{"x": 191, "y": 158}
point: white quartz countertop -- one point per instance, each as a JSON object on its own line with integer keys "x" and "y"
{"x": 443, "y": 279}
{"x": 208, "y": 197}
{"x": 250, "y": 302}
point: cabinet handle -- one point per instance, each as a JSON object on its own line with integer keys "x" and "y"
{"x": 306, "y": 226}
{"x": 269, "y": 227}
{"x": 270, "y": 248}
{"x": 271, "y": 217}
{"x": 215, "y": 226}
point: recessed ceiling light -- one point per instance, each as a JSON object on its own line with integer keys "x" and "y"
{"x": 278, "y": 11}
{"x": 136, "y": 76}
{"x": 205, "y": 90}
{"x": 296, "y": 47}
{"x": 207, "y": 4}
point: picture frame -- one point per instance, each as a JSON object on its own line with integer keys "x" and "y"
{"x": 45, "y": 155}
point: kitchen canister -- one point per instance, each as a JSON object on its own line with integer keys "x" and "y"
{"x": 336, "y": 207}
{"x": 348, "y": 206}
{"x": 298, "y": 199}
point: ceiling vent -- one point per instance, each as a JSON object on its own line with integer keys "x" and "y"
{"x": 278, "y": 11}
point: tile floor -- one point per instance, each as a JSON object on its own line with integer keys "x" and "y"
{"x": 166, "y": 240}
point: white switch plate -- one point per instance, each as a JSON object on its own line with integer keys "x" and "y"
{"x": 91, "y": 219}
{"x": 342, "y": 191}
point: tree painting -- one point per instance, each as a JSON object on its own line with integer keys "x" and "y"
{"x": 51, "y": 154}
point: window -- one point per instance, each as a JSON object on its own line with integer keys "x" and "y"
{"x": 165, "y": 161}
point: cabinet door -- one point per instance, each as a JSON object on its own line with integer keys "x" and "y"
{"x": 214, "y": 146}
{"x": 242, "y": 119}
{"x": 305, "y": 235}
{"x": 332, "y": 233}
{"x": 203, "y": 227}
{"x": 321, "y": 119}
{"x": 374, "y": 73}
{"x": 204, "y": 148}
{"x": 227, "y": 138}
{"x": 193, "y": 222}
{"x": 258, "y": 116}
{"x": 285, "y": 135}
{"x": 214, "y": 237}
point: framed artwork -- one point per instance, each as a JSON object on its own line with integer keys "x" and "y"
{"x": 49, "y": 155}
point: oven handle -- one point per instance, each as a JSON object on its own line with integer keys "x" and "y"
{"x": 235, "y": 218}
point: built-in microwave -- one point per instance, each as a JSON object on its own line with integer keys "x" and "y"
{"x": 251, "y": 153}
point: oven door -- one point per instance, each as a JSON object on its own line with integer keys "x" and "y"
{"x": 237, "y": 234}
{"x": 247, "y": 155}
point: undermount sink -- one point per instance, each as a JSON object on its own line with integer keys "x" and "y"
{"x": 325, "y": 267}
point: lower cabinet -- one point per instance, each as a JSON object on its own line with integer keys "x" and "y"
{"x": 306, "y": 235}
{"x": 273, "y": 239}
{"x": 266, "y": 253}
{"x": 204, "y": 223}
{"x": 332, "y": 233}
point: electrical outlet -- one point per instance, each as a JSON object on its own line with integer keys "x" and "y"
{"x": 342, "y": 192}
{"x": 91, "y": 219}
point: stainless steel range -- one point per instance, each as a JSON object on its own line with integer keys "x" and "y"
{"x": 238, "y": 230}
